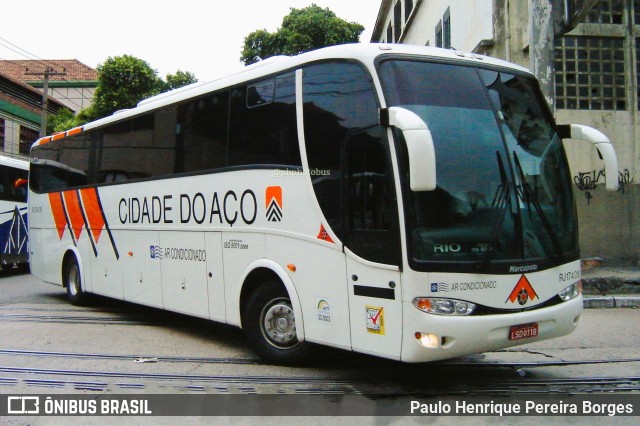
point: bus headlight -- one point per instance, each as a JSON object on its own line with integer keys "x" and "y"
{"x": 434, "y": 305}
{"x": 570, "y": 292}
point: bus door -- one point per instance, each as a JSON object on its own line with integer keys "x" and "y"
{"x": 372, "y": 244}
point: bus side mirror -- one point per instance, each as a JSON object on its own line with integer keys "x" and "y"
{"x": 603, "y": 145}
{"x": 422, "y": 156}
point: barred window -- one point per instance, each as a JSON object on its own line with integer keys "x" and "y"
{"x": 27, "y": 138}
{"x": 606, "y": 12}
{"x": 590, "y": 73}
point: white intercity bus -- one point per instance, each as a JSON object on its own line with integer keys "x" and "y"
{"x": 407, "y": 202}
{"x": 14, "y": 244}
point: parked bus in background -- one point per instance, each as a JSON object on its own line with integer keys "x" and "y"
{"x": 14, "y": 247}
{"x": 407, "y": 202}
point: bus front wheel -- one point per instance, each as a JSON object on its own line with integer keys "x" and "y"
{"x": 73, "y": 282}
{"x": 270, "y": 326}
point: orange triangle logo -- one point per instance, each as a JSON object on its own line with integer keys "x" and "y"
{"x": 522, "y": 292}
{"x": 324, "y": 235}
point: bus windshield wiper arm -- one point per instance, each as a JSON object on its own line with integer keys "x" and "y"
{"x": 526, "y": 194}
{"x": 501, "y": 201}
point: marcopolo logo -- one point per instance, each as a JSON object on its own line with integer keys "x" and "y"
{"x": 273, "y": 201}
{"x": 522, "y": 292}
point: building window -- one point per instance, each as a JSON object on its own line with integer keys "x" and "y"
{"x": 439, "y": 34}
{"x": 606, "y": 12}
{"x": 446, "y": 30}
{"x": 397, "y": 21}
{"x": 408, "y": 7}
{"x": 27, "y": 138}
{"x": 638, "y": 71}
{"x": 389, "y": 33}
{"x": 1, "y": 134}
{"x": 590, "y": 73}
{"x": 603, "y": 12}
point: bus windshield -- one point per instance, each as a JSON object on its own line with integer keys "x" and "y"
{"x": 503, "y": 183}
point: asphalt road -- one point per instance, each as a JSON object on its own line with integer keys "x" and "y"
{"x": 113, "y": 347}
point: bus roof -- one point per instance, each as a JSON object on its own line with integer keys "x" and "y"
{"x": 14, "y": 162}
{"x": 363, "y": 52}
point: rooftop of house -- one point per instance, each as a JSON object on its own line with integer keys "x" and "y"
{"x": 24, "y": 70}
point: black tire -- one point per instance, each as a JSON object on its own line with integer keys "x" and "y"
{"x": 73, "y": 282}
{"x": 269, "y": 326}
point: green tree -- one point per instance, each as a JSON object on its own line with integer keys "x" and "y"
{"x": 63, "y": 120}
{"x": 123, "y": 81}
{"x": 179, "y": 79}
{"x": 302, "y": 30}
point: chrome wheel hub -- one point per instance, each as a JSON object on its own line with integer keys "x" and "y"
{"x": 279, "y": 324}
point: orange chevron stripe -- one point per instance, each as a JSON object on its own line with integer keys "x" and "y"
{"x": 72, "y": 203}
{"x": 55, "y": 201}
{"x": 93, "y": 212}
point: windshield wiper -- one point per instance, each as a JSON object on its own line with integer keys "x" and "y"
{"x": 500, "y": 204}
{"x": 525, "y": 193}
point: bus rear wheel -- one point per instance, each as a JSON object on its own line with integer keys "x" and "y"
{"x": 270, "y": 326}
{"x": 73, "y": 282}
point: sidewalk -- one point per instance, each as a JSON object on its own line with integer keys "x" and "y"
{"x": 610, "y": 287}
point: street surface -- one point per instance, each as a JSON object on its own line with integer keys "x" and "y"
{"x": 49, "y": 346}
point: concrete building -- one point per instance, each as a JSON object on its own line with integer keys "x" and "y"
{"x": 20, "y": 115}
{"x": 585, "y": 54}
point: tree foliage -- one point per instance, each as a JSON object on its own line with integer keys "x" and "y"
{"x": 123, "y": 81}
{"x": 179, "y": 79}
{"x": 302, "y": 30}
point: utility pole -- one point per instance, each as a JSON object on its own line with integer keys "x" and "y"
{"x": 48, "y": 72}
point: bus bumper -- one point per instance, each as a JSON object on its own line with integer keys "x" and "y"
{"x": 447, "y": 337}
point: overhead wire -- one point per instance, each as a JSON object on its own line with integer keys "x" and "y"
{"x": 46, "y": 63}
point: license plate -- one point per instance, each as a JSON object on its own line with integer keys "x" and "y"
{"x": 525, "y": 331}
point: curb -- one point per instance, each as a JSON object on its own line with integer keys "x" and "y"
{"x": 606, "y": 302}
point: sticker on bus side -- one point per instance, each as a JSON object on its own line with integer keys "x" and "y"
{"x": 324, "y": 310}
{"x": 375, "y": 319}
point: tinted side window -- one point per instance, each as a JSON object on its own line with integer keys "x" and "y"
{"x": 127, "y": 150}
{"x": 338, "y": 100}
{"x": 54, "y": 169}
{"x": 12, "y": 184}
{"x": 263, "y": 126}
{"x": 202, "y": 133}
